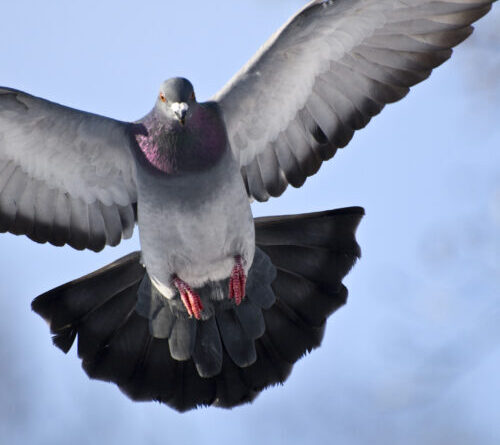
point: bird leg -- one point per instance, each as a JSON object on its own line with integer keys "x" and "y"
{"x": 237, "y": 281}
{"x": 189, "y": 297}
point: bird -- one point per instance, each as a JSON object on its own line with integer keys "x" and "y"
{"x": 217, "y": 305}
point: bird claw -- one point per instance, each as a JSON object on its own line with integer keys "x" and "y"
{"x": 237, "y": 281}
{"x": 189, "y": 297}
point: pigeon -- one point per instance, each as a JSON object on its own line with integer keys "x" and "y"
{"x": 217, "y": 305}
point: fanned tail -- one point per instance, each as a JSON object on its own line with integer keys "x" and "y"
{"x": 130, "y": 335}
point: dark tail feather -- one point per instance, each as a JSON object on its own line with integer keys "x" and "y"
{"x": 97, "y": 298}
{"x": 276, "y": 325}
{"x": 312, "y": 254}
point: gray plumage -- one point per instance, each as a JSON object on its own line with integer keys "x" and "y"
{"x": 343, "y": 60}
{"x": 66, "y": 177}
{"x": 185, "y": 174}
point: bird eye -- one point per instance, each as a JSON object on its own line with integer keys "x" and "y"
{"x": 193, "y": 96}
{"x": 162, "y": 97}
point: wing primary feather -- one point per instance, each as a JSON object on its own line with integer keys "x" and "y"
{"x": 25, "y": 214}
{"x": 62, "y": 220}
{"x": 112, "y": 224}
{"x": 385, "y": 75}
{"x": 127, "y": 218}
{"x": 378, "y": 92}
{"x": 287, "y": 162}
{"x": 255, "y": 182}
{"x": 272, "y": 175}
{"x": 5, "y": 176}
{"x": 9, "y": 198}
{"x": 97, "y": 232}
{"x": 436, "y": 9}
{"x": 344, "y": 108}
{"x": 45, "y": 210}
{"x": 366, "y": 105}
{"x": 406, "y": 60}
{"x": 303, "y": 152}
{"x": 328, "y": 121}
{"x": 79, "y": 224}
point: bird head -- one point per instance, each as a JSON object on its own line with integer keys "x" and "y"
{"x": 175, "y": 98}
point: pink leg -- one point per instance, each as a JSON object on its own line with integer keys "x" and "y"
{"x": 237, "y": 281}
{"x": 189, "y": 297}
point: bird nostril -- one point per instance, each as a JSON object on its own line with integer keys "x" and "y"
{"x": 180, "y": 109}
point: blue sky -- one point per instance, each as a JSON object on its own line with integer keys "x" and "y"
{"x": 412, "y": 358}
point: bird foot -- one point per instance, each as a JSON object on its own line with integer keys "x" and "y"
{"x": 237, "y": 281}
{"x": 189, "y": 297}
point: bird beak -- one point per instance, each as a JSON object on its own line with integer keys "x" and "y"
{"x": 180, "y": 110}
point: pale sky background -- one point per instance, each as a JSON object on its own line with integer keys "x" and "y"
{"x": 413, "y": 358}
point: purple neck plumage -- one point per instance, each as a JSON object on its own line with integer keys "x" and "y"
{"x": 173, "y": 148}
{"x": 149, "y": 143}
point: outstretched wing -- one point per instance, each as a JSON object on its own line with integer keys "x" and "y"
{"x": 66, "y": 176}
{"x": 325, "y": 73}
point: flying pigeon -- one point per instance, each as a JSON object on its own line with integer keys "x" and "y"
{"x": 217, "y": 305}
